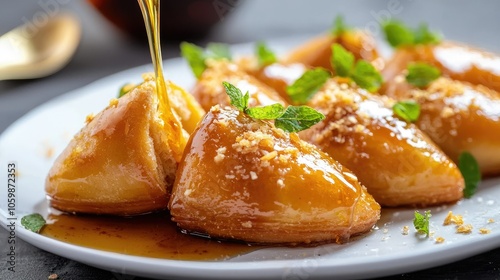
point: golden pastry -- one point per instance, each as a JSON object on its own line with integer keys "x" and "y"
{"x": 256, "y": 183}
{"x": 397, "y": 163}
{"x": 209, "y": 90}
{"x": 317, "y": 52}
{"x": 458, "y": 117}
{"x": 123, "y": 161}
{"x": 279, "y": 76}
{"x": 456, "y": 61}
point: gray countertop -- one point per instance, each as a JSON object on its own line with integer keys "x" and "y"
{"x": 104, "y": 51}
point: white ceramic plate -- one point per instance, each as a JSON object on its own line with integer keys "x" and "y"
{"x": 384, "y": 251}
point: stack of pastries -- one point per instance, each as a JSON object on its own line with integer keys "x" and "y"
{"x": 225, "y": 174}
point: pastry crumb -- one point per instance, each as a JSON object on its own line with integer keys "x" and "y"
{"x": 453, "y": 219}
{"x": 405, "y": 230}
{"x": 464, "y": 229}
{"x": 269, "y": 156}
{"x": 53, "y": 276}
{"x": 247, "y": 224}
{"x": 447, "y": 112}
{"x": 491, "y": 221}
{"x": 253, "y": 175}
{"x": 439, "y": 240}
{"x": 113, "y": 102}
{"x": 220, "y": 154}
{"x": 484, "y": 231}
{"x": 89, "y": 118}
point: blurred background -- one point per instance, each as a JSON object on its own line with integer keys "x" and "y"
{"x": 105, "y": 49}
{"x": 113, "y": 40}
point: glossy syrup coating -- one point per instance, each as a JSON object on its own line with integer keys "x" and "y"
{"x": 457, "y": 116}
{"x": 185, "y": 106}
{"x": 209, "y": 90}
{"x": 256, "y": 183}
{"x": 397, "y": 163}
{"x": 280, "y": 75}
{"x": 120, "y": 163}
{"x": 318, "y": 51}
{"x": 457, "y": 61}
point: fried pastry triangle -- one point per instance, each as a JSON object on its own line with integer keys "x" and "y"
{"x": 457, "y": 116}
{"x": 396, "y": 161}
{"x": 256, "y": 183}
{"x": 121, "y": 162}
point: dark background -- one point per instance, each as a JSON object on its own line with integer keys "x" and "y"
{"x": 105, "y": 50}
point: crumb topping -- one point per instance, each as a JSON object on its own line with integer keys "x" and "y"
{"x": 247, "y": 224}
{"x": 405, "y": 230}
{"x": 89, "y": 118}
{"x": 484, "y": 231}
{"x": 440, "y": 240}
{"x": 113, "y": 102}
{"x": 220, "y": 154}
{"x": 349, "y": 110}
{"x": 453, "y": 219}
{"x": 464, "y": 229}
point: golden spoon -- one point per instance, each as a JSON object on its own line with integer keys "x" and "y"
{"x": 31, "y": 51}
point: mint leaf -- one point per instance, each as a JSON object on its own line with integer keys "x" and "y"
{"x": 339, "y": 26}
{"x": 398, "y": 34}
{"x": 218, "y": 51}
{"x": 298, "y": 118}
{"x": 264, "y": 54}
{"x": 237, "y": 98}
{"x": 363, "y": 73}
{"x": 307, "y": 85}
{"x": 407, "y": 110}
{"x": 424, "y": 36}
{"x": 125, "y": 89}
{"x": 342, "y": 60}
{"x": 470, "y": 171}
{"x": 269, "y": 112}
{"x": 33, "y": 222}
{"x": 421, "y": 74}
{"x": 195, "y": 57}
{"x": 366, "y": 76}
{"x": 293, "y": 119}
{"x": 421, "y": 222}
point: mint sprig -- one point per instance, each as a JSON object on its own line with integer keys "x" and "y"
{"x": 362, "y": 72}
{"x": 421, "y": 222}
{"x": 291, "y": 119}
{"x": 307, "y": 85}
{"x": 407, "y": 110}
{"x": 421, "y": 74}
{"x": 342, "y": 60}
{"x": 265, "y": 55}
{"x": 269, "y": 112}
{"x": 339, "y": 26}
{"x": 298, "y": 118}
{"x": 423, "y": 35}
{"x": 33, "y": 222}
{"x": 366, "y": 76}
{"x": 470, "y": 171}
{"x": 218, "y": 51}
{"x": 197, "y": 56}
{"x": 398, "y": 34}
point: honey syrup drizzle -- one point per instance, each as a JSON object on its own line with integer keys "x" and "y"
{"x": 151, "y": 13}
